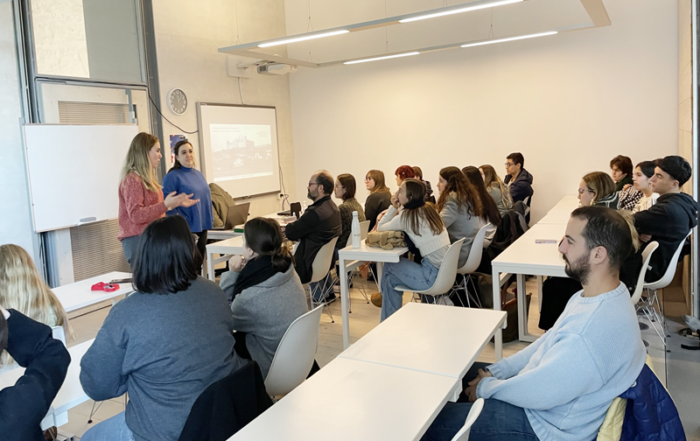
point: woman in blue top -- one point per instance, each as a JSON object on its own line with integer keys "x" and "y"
{"x": 183, "y": 177}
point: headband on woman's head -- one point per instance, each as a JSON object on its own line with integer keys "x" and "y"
{"x": 414, "y": 204}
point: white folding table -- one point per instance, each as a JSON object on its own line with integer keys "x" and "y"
{"x": 560, "y": 213}
{"x": 527, "y": 257}
{"x": 69, "y": 396}
{"x": 224, "y": 249}
{"x": 436, "y": 339}
{"x": 79, "y": 295}
{"x": 350, "y": 258}
{"x": 350, "y": 400}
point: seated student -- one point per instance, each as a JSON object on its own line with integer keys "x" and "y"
{"x": 460, "y": 209}
{"x": 621, "y": 171}
{"x": 24, "y": 405}
{"x": 560, "y": 387}
{"x": 379, "y": 198}
{"x": 266, "y": 292}
{"x": 22, "y": 289}
{"x": 496, "y": 188}
{"x": 671, "y": 218}
{"x": 489, "y": 207}
{"x": 345, "y": 190}
{"x": 598, "y": 188}
{"x": 164, "y": 344}
{"x": 428, "y": 189}
{"x": 316, "y": 227}
{"x": 518, "y": 180}
{"x": 424, "y": 226}
{"x": 642, "y": 173}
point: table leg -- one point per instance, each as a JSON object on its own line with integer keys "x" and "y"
{"x": 344, "y": 301}
{"x": 539, "y": 292}
{"x": 523, "y": 334}
{"x": 380, "y": 272}
{"x": 210, "y": 267}
{"x": 498, "y": 337}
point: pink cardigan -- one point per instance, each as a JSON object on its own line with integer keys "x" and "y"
{"x": 138, "y": 206}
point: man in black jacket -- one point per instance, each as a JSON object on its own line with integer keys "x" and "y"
{"x": 317, "y": 226}
{"x": 671, "y": 218}
{"x": 518, "y": 180}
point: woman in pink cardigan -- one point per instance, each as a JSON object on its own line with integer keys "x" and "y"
{"x": 140, "y": 196}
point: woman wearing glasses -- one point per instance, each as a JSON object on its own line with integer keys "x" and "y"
{"x": 598, "y": 188}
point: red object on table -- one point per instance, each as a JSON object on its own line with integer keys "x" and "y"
{"x": 106, "y": 287}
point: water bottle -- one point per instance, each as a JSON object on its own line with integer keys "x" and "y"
{"x": 356, "y": 237}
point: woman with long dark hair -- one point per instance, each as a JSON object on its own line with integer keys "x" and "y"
{"x": 184, "y": 178}
{"x": 424, "y": 226}
{"x": 164, "y": 344}
{"x": 460, "y": 209}
{"x": 266, "y": 293}
{"x": 489, "y": 209}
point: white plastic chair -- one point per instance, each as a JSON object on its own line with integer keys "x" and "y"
{"x": 646, "y": 257}
{"x": 446, "y": 274}
{"x": 294, "y": 355}
{"x": 470, "y": 266}
{"x": 320, "y": 267}
{"x": 474, "y": 412}
{"x": 651, "y": 306}
{"x": 59, "y": 333}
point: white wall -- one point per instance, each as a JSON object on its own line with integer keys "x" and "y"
{"x": 15, "y": 221}
{"x": 188, "y": 35}
{"x": 569, "y": 103}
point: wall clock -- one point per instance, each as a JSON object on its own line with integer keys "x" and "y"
{"x": 177, "y": 101}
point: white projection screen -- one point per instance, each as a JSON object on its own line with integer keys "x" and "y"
{"x": 239, "y": 148}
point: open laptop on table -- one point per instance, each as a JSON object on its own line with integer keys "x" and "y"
{"x": 237, "y": 215}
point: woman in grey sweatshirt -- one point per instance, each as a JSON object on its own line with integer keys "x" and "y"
{"x": 460, "y": 209}
{"x": 265, "y": 291}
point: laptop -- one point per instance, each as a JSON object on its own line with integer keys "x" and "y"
{"x": 237, "y": 215}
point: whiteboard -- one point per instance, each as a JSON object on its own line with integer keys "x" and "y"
{"x": 239, "y": 148}
{"x": 74, "y": 172}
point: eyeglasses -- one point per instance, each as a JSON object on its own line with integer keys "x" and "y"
{"x": 583, "y": 190}
{"x": 509, "y": 164}
{"x": 312, "y": 183}
{"x": 367, "y": 179}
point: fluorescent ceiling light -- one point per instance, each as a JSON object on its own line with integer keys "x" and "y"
{"x": 303, "y": 38}
{"x": 459, "y": 10}
{"x": 365, "y": 60}
{"x": 521, "y": 37}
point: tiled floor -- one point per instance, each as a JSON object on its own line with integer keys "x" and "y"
{"x": 683, "y": 369}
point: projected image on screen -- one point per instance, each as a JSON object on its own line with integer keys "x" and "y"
{"x": 241, "y": 151}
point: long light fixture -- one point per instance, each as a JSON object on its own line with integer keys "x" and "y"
{"x": 386, "y": 57}
{"x": 303, "y": 38}
{"x": 502, "y": 40}
{"x": 459, "y": 10}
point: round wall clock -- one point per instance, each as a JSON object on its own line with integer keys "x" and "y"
{"x": 177, "y": 101}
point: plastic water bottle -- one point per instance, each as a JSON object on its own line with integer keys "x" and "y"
{"x": 356, "y": 237}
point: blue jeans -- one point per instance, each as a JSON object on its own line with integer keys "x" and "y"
{"x": 499, "y": 421}
{"x": 129, "y": 246}
{"x": 418, "y": 276}
{"x": 113, "y": 429}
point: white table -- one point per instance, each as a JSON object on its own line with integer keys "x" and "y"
{"x": 350, "y": 400}
{"x": 560, "y": 213}
{"x": 526, "y": 257}
{"x": 436, "y": 339}
{"x": 224, "y": 248}
{"x": 78, "y": 295}
{"x": 69, "y": 396}
{"x": 350, "y": 258}
{"x": 222, "y": 234}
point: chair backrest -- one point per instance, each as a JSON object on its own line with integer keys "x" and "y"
{"x": 474, "y": 258}
{"x": 646, "y": 257}
{"x": 322, "y": 262}
{"x": 295, "y": 354}
{"x": 364, "y": 230}
{"x": 59, "y": 333}
{"x": 447, "y": 272}
{"x": 664, "y": 281}
{"x": 474, "y": 412}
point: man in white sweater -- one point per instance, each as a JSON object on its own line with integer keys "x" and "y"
{"x": 560, "y": 387}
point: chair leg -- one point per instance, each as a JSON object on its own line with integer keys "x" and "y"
{"x": 474, "y": 296}
{"x": 94, "y": 409}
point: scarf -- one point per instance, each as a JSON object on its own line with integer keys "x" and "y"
{"x": 254, "y": 272}
{"x": 414, "y": 204}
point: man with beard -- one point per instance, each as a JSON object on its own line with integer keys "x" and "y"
{"x": 560, "y": 387}
{"x": 317, "y": 226}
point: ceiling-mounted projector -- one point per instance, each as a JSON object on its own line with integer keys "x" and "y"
{"x": 276, "y": 69}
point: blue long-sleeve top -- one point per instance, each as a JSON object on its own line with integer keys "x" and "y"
{"x": 191, "y": 181}
{"x": 567, "y": 379}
